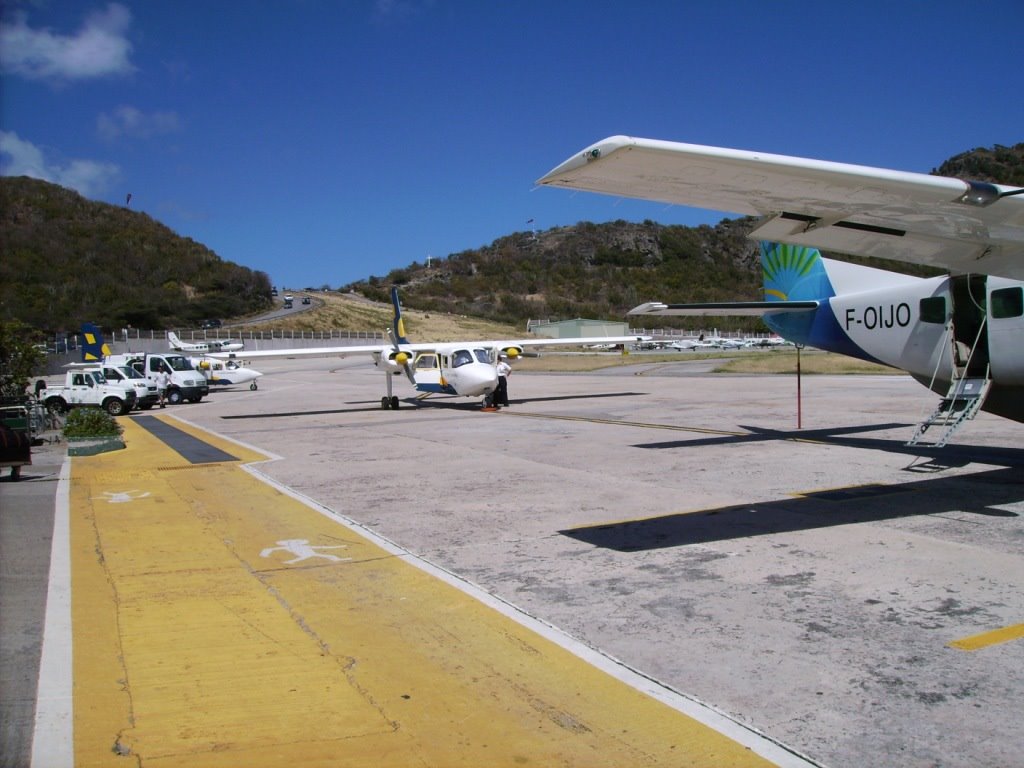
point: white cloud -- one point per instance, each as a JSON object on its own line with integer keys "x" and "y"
{"x": 99, "y": 49}
{"x": 129, "y": 121}
{"x": 23, "y": 158}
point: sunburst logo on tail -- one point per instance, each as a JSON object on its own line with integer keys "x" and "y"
{"x": 785, "y": 266}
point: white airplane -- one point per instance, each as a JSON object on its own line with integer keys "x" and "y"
{"x": 459, "y": 368}
{"x": 214, "y": 345}
{"x": 961, "y": 335}
{"x": 225, "y": 372}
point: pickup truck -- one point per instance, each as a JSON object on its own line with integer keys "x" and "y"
{"x": 88, "y": 388}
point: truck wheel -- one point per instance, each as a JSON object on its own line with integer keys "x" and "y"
{"x": 174, "y": 396}
{"x": 115, "y": 407}
{"x": 56, "y": 405}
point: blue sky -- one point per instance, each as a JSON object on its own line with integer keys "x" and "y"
{"x": 323, "y": 142}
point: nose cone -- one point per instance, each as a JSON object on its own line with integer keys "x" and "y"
{"x": 474, "y": 380}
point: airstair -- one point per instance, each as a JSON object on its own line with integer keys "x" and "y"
{"x": 967, "y": 391}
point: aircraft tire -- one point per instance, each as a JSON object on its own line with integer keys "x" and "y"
{"x": 394, "y": 402}
{"x": 253, "y": 387}
{"x": 385, "y": 403}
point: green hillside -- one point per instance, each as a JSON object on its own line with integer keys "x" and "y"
{"x": 66, "y": 259}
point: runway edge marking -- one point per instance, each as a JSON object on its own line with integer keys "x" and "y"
{"x": 53, "y": 732}
{"x": 706, "y": 714}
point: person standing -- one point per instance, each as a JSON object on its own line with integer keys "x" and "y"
{"x": 504, "y": 371}
{"x": 163, "y": 381}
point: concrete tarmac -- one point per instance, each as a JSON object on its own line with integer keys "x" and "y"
{"x": 855, "y": 601}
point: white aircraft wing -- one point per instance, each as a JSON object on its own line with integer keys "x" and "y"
{"x": 578, "y": 341}
{"x": 303, "y": 352}
{"x": 915, "y": 217}
{"x": 724, "y": 308}
{"x": 344, "y": 351}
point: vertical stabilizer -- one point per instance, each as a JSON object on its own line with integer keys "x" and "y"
{"x": 94, "y": 349}
{"x": 794, "y": 273}
{"x": 397, "y": 326}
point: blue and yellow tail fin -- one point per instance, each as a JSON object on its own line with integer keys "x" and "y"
{"x": 397, "y": 326}
{"x": 794, "y": 273}
{"x": 94, "y": 349}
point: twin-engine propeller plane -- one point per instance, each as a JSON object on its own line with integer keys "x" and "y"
{"x": 961, "y": 335}
{"x": 204, "y": 347}
{"x": 458, "y": 368}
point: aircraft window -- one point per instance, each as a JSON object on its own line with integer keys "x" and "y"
{"x": 426, "y": 361}
{"x": 482, "y": 355}
{"x": 933, "y": 309}
{"x": 462, "y": 357}
{"x": 1008, "y": 302}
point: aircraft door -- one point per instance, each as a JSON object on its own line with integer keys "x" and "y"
{"x": 1006, "y": 328}
{"x": 970, "y": 331}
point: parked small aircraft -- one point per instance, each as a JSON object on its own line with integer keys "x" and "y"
{"x": 225, "y": 372}
{"x": 459, "y": 368}
{"x": 213, "y": 345}
{"x": 961, "y": 335}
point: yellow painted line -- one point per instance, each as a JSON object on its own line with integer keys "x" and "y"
{"x": 220, "y": 621}
{"x": 985, "y": 639}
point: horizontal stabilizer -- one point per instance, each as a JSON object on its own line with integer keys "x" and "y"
{"x": 724, "y": 308}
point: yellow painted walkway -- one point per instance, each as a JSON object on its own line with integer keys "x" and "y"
{"x": 219, "y": 622}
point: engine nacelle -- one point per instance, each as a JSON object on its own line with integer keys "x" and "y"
{"x": 393, "y": 360}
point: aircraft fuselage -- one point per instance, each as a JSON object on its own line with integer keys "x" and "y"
{"x": 929, "y": 328}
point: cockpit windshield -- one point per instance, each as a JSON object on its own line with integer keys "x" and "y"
{"x": 461, "y": 357}
{"x": 483, "y": 355}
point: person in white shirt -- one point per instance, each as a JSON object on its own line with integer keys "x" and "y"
{"x": 163, "y": 381}
{"x": 504, "y": 370}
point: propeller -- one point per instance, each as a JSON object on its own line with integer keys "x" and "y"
{"x": 401, "y": 357}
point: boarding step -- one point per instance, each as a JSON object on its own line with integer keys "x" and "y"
{"x": 961, "y": 403}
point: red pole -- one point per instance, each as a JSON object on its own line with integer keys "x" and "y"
{"x": 799, "y": 401}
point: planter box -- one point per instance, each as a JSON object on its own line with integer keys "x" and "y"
{"x": 90, "y": 446}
